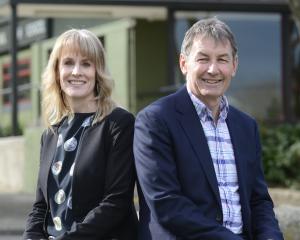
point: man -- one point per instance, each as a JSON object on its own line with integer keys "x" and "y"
{"x": 198, "y": 159}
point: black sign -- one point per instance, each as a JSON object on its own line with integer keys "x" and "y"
{"x": 28, "y": 31}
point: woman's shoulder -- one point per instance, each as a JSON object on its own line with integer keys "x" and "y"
{"x": 120, "y": 114}
{"x": 120, "y": 118}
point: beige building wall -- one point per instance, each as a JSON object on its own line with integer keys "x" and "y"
{"x": 11, "y": 164}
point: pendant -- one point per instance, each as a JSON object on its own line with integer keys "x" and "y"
{"x": 56, "y": 167}
{"x": 57, "y": 223}
{"x": 70, "y": 145}
{"x": 60, "y": 196}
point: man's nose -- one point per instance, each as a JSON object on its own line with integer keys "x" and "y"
{"x": 213, "y": 68}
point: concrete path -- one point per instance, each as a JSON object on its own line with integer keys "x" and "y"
{"x": 13, "y": 211}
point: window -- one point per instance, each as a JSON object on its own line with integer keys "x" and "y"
{"x": 295, "y": 70}
{"x": 23, "y": 83}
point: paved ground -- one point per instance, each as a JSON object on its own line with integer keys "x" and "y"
{"x": 15, "y": 207}
{"x": 13, "y": 211}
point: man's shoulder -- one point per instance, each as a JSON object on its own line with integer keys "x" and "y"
{"x": 236, "y": 113}
{"x": 162, "y": 106}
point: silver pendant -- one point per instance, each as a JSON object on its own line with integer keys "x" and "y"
{"x": 56, "y": 167}
{"x": 60, "y": 196}
{"x": 86, "y": 122}
{"x": 57, "y": 223}
{"x": 70, "y": 145}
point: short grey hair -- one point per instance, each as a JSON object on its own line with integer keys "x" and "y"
{"x": 209, "y": 27}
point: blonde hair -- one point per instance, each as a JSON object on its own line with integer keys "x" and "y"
{"x": 87, "y": 44}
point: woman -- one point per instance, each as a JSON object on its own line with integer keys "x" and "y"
{"x": 86, "y": 177}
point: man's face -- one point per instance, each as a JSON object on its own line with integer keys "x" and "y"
{"x": 209, "y": 68}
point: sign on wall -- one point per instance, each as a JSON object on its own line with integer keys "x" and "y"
{"x": 28, "y": 31}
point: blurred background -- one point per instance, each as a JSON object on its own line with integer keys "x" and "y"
{"x": 142, "y": 40}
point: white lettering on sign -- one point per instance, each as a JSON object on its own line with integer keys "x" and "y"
{"x": 35, "y": 28}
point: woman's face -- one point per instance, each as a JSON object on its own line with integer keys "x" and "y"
{"x": 77, "y": 76}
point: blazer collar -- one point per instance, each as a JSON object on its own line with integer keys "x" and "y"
{"x": 189, "y": 120}
{"x": 239, "y": 142}
{"x": 49, "y": 146}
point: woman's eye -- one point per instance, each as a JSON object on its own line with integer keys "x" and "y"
{"x": 68, "y": 63}
{"x": 86, "y": 64}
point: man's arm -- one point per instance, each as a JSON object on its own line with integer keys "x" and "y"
{"x": 157, "y": 174}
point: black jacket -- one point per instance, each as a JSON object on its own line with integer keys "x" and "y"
{"x": 102, "y": 187}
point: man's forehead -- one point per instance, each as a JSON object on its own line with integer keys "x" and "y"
{"x": 216, "y": 40}
{"x": 216, "y": 43}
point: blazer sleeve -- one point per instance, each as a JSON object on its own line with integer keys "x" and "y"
{"x": 35, "y": 221}
{"x": 264, "y": 222}
{"x": 119, "y": 185}
{"x": 155, "y": 160}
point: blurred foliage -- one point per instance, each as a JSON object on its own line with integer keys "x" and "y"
{"x": 7, "y": 131}
{"x": 281, "y": 154}
{"x": 295, "y": 8}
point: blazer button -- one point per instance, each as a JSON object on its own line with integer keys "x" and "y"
{"x": 219, "y": 217}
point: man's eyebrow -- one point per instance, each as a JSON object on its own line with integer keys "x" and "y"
{"x": 206, "y": 55}
{"x": 201, "y": 53}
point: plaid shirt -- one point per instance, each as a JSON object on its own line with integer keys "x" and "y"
{"x": 222, "y": 154}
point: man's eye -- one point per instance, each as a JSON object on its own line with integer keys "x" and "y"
{"x": 223, "y": 60}
{"x": 202, "y": 60}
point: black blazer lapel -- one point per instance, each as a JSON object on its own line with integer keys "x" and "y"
{"x": 47, "y": 154}
{"x": 189, "y": 120}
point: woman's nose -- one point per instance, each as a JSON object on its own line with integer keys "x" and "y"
{"x": 76, "y": 70}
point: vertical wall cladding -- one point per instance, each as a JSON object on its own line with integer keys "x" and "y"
{"x": 151, "y": 60}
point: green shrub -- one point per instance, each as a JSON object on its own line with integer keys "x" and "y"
{"x": 281, "y": 154}
{"x": 7, "y": 131}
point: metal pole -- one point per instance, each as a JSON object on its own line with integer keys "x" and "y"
{"x": 14, "y": 69}
{"x": 171, "y": 48}
{"x": 286, "y": 68}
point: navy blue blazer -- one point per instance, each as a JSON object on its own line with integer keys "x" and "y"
{"x": 178, "y": 181}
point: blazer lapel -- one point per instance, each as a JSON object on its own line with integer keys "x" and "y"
{"x": 49, "y": 150}
{"x": 238, "y": 144}
{"x": 189, "y": 120}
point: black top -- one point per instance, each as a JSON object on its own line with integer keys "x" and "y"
{"x": 61, "y": 173}
{"x": 102, "y": 183}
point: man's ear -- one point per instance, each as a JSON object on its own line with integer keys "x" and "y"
{"x": 235, "y": 66}
{"x": 183, "y": 63}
